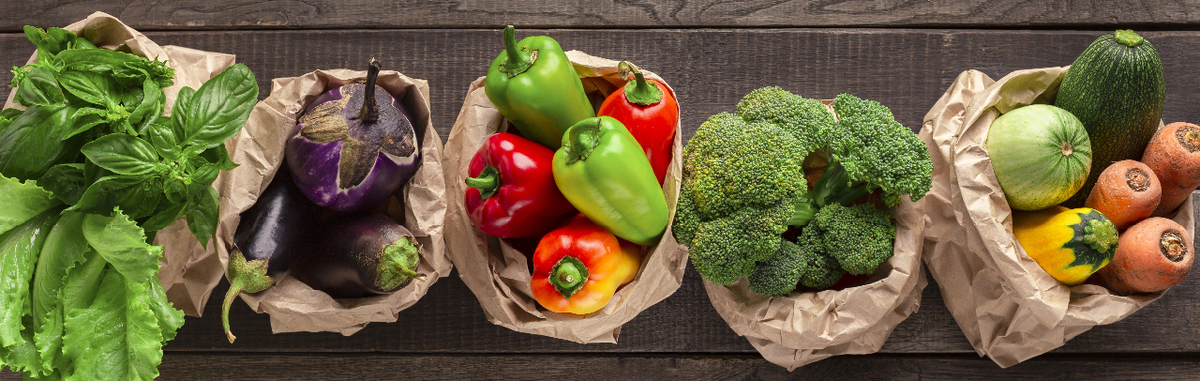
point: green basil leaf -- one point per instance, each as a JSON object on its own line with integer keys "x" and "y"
{"x": 94, "y": 88}
{"x": 65, "y": 181}
{"x": 202, "y": 213}
{"x": 40, "y": 39}
{"x": 220, "y": 107}
{"x": 180, "y": 111}
{"x": 11, "y": 113}
{"x": 136, "y": 197}
{"x": 93, "y": 173}
{"x": 206, "y": 174}
{"x": 153, "y": 70}
{"x": 83, "y": 43}
{"x": 39, "y": 88}
{"x": 163, "y": 138}
{"x": 96, "y": 60}
{"x": 34, "y": 142}
{"x": 175, "y": 190}
{"x": 122, "y": 154}
{"x": 149, "y": 108}
{"x": 219, "y": 155}
{"x": 61, "y": 38}
{"x": 166, "y": 215}
{"x": 83, "y": 120}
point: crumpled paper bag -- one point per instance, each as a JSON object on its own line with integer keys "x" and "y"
{"x": 259, "y": 149}
{"x": 188, "y": 272}
{"x": 805, "y": 327}
{"x": 1008, "y": 307}
{"x": 499, "y": 275}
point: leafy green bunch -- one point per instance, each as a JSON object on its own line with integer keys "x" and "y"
{"x": 81, "y": 298}
{"x": 94, "y": 133}
{"x": 744, "y": 185}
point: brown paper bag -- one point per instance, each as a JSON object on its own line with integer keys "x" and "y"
{"x": 1009, "y": 308}
{"x": 498, "y": 274}
{"x": 259, "y": 149}
{"x": 805, "y": 327}
{"x": 188, "y": 273}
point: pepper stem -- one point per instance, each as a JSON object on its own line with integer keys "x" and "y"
{"x": 638, "y": 91}
{"x": 581, "y": 139}
{"x": 370, "y": 111}
{"x": 518, "y": 60}
{"x": 488, "y": 182}
{"x": 248, "y": 276}
{"x": 568, "y": 276}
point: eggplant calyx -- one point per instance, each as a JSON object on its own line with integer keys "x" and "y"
{"x": 398, "y": 264}
{"x": 244, "y": 276}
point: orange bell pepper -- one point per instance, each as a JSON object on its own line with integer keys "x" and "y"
{"x": 578, "y": 267}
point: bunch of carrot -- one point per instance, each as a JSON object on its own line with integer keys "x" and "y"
{"x": 1153, "y": 252}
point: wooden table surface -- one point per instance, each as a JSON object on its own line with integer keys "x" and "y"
{"x": 901, "y": 53}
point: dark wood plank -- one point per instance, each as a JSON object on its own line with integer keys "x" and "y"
{"x": 648, "y": 367}
{"x": 711, "y": 69}
{"x": 341, "y": 14}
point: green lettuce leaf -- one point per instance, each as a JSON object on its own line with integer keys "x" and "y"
{"x": 117, "y": 337}
{"x": 21, "y": 201}
{"x": 19, "y": 249}
{"x": 123, "y": 244}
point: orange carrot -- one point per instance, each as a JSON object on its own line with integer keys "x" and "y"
{"x": 1151, "y": 256}
{"x": 1174, "y": 156}
{"x": 1127, "y": 192}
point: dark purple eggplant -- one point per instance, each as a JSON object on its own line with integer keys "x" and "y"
{"x": 268, "y": 238}
{"x": 355, "y": 146}
{"x": 359, "y": 255}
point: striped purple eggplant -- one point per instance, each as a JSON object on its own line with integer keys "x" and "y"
{"x": 354, "y": 148}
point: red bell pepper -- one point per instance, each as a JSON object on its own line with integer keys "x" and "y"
{"x": 651, "y": 113}
{"x": 511, "y": 191}
{"x": 578, "y": 267}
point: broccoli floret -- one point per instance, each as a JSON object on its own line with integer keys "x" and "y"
{"x": 744, "y": 184}
{"x": 726, "y": 249}
{"x": 779, "y": 274}
{"x": 860, "y": 237}
{"x": 818, "y": 269}
{"x": 808, "y": 120}
{"x": 876, "y": 151}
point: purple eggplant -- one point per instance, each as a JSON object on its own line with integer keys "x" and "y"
{"x": 268, "y": 239}
{"x": 359, "y": 255}
{"x": 354, "y": 147}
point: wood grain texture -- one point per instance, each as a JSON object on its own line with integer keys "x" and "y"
{"x": 711, "y": 69}
{"x": 342, "y": 14}
{"x": 179, "y": 366}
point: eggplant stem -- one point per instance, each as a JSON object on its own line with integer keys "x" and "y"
{"x": 370, "y": 111}
{"x": 248, "y": 276}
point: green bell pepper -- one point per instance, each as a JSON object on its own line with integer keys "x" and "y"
{"x": 534, "y": 85}
{"x": 602, "y": 170}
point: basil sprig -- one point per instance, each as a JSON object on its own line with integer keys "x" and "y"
{"x": 94, "y": 133}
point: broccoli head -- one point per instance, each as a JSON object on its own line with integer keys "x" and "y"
{"x": 860, "y": 237}
{"x": 744, "y": 184}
